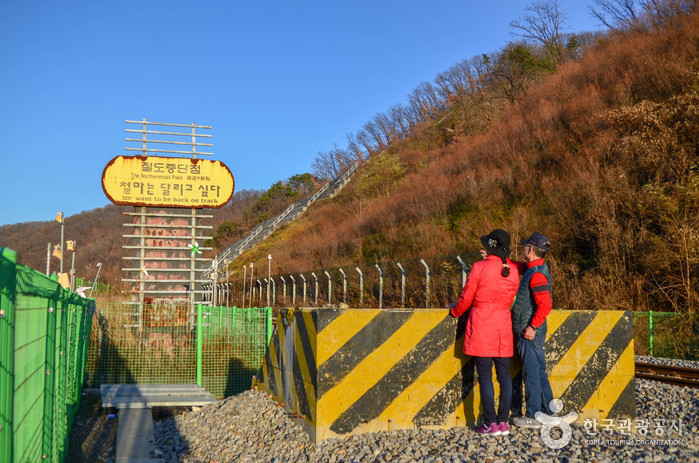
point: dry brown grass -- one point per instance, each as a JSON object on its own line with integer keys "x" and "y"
{"x": 601, "y": 157}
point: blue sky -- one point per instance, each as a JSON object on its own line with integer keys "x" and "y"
{"x": 278, "y": 81}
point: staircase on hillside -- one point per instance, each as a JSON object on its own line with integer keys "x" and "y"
{"x": 265, "y": 229}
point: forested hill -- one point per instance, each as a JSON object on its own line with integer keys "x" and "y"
{"x": 596, "y": 148}
{"x": 589, "y": 139}
{"x": 98, "y": 232}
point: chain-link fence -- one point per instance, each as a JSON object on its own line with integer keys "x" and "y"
{"x": 415, "y": 283}
{"x": 411, "y": 283}
{"x": 44, "y": 331}
{"x": 219, "y": 348}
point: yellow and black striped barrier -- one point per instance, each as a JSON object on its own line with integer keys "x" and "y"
{"x": 351, "y": 371}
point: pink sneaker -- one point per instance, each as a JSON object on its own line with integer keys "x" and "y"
{"x": 504, "y": 429}
{"x": 492, "y": 430}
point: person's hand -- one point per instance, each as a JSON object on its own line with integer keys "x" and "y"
{"x": 451, "y": 307}
{"x": 529, "y": 333}
{"x": 483, "y": 253}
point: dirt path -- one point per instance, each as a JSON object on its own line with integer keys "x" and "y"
{"x": 93, "y": 435}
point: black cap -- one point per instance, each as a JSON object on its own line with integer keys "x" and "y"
{"x": 538, "y": 240}
{"x": 497, "y": 242}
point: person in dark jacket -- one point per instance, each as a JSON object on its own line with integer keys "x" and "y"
{"x": 489, "y": 292}
{"x": 529, "y": 313}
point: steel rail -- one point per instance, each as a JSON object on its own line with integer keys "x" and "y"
{"x": 679, "y": 376}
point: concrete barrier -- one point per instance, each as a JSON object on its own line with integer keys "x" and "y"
{"x": 351, "y": 371}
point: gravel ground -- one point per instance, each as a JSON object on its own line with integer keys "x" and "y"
{"x": 250, "y": 427}
{"x": 664, "y": 361}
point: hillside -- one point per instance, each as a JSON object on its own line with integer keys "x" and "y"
{"x": 600, "y": 155}
{"x": 597, "y": 149}
{"x": 98, "y": 232}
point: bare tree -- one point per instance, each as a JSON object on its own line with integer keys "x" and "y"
{"x": 666, "y": 13}
{"x": 385, "y": 128}
{"x": 375, "y": 134}
{"x": 620, "y": 15}
{"x": 354, "y": 149}
{"x": 544, "y": 23}
{"x": 425, "y": 102}
{"x": 366, "y": 142}
{"x": 328, "y": 165}
{"x": 400, "y": 120}
{"x": 617, "y": 14}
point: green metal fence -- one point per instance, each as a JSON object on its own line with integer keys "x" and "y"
{"x": 219, "y": 348}
{"x": 667, "y": 334}
{"x": 44, "y": 331}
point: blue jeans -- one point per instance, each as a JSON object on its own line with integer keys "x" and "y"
{"x": 537, "y": 389}
{"x": 484, "y": 367}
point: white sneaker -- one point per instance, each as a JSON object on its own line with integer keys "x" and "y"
{"x": 525, "y": 422}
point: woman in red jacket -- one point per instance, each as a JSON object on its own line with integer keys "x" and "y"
{"x": 489, "y": 291}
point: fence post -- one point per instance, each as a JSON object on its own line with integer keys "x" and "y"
{"x": 200, "y": 333}
{"x": 402, "y": 284}
{"x": 361, "y": 286}
{"x": 304, "y": 287}
{"x": 463, "y": 271}
{"x": 259, "y": 288}
{"x": 427, "y": 283}
{"x": 228, "y": 298}
{"x": 268, "y": 298}
{"x": 314, "y": 276}
{"x": 245, "y": 275}
{"x": 269, "y": 275}
{"x": 330, "y": 287}
{"x": 380, "y": 286}
{"x": 8, "y": 294}
{"x": 650, "y": 329}
{"x": 284, "y": 287}
{"x": 344, "y": 286}
{"x": 293, "y": 290}
{"x": 49, "y": 378}
{"x": 269, "y": 322}
{"x": 252, "y": 290}
{"x": 274, "y": 291}
{"x": 214, "y": 277}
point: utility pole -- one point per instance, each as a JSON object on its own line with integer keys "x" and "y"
{"x": 48, "y": 259}
{"x": 59, "y": 219}
{"x": 70, "y": 246}
{"x": 94, "y": 283}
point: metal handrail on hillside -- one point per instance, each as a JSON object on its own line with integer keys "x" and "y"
{"x": 264, "y": 229}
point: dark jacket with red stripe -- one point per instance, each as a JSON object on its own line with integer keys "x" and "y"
{"x": 533, "y": 301}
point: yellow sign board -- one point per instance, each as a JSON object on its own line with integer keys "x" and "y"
{"x": 167, "y": 182}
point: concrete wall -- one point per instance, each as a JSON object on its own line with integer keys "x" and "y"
{"x": 350, "y": 371}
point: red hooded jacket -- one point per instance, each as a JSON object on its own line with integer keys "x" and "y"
{"x": 489, "y": 325}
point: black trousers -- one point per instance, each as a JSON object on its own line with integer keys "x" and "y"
{"x": 484, "y": 367}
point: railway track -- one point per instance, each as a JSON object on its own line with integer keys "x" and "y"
{"x": 678, "y": 376}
